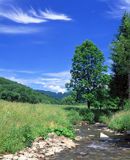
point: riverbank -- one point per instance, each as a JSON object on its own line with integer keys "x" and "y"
{"x": 94, "y": 142}
{"x": 91, "y": 146}
{"x": 42, "y": 149}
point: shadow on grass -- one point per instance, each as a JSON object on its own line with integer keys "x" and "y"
{"x": 96, "y": 113}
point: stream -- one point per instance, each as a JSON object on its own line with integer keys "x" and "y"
{"x": 92, "y": 147}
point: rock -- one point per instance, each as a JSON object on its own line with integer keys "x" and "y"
{"x": 83, "y": 153}
{"x": 39, "y": 139}
{"x": 52, "y": 135}
{"x": 78, "y": 138}
{"x": 91, "y": 135}
{"x": 50, "y": 153}
{"x": 128, "y": 132}
{"x": 108, "y": 130}
{"x": 15, "y": 158}
{"x": 23, "y": 158}
{"x": 10, "y": 156}
{"x": 103, "y": 136}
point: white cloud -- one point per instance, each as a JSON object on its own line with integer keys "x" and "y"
{"x": 45, "y": 81}
{"x": 4, "y": 29}
{"x": 31, "y": 16}
{"x": 117, "y": 8}
{"x": 11, "y": 11}
{"x": 59, "y": 74}
{"x": 19, "y": 16}
{"x": 50, "y": 15}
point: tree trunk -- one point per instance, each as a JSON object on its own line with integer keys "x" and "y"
{"x": 129, "y": 85}
{"x": 88, "y": 103}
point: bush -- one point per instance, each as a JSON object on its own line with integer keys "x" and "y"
{"x": 87, "y": 115}
{"x": 74, "y": 117}
{"x": 120, "y": 121}
{"x": 64, "y": 132}
{"x": 127, "y": 105}
{"x": 103, "y": 119}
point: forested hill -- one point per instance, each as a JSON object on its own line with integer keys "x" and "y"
{"x": 13, "y": 91}
{"x": 58, "y": 95}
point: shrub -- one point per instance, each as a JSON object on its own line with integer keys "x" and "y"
{"x": 127, "y": 105}
{"x": 64, "y": 132}
{"x": 120, "y": 121}
{"x": 103, "y": 119}
{"x": 87, "y": 115}
{"x": 74, "y": 117}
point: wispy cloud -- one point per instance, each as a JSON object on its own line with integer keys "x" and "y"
{"x": 117, "y": 8}
{"x": 32, "y": 16}
{"x": 9, "y": 11}
{"x": 50, "y": 15}
{"x": 39, "y": 80}
{"x": 5, "y": 29}
{"x": 19, "y": 16}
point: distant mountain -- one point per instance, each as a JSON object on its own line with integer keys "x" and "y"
{"x": 54, "y": 94}
{"x": 13, "y": 91}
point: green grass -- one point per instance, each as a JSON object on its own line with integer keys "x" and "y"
{"x": 21, "y": 123}
{"x": 120, "y": 121}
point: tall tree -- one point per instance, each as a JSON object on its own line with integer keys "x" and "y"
{"x": 87, "y": 72}
{"x": 121, "y": 60}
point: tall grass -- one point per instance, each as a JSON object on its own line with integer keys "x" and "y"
{"x": 121, "y": 120}
{"x": 21, "y": 123}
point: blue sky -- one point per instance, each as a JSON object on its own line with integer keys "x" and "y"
{"x": 38, "y": 37}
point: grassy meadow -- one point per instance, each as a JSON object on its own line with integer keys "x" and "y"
{"x": 21, "y": 123}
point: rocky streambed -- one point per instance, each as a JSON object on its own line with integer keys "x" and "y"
{"x": 42, "y": 149}
{"x": 93, "y": 142}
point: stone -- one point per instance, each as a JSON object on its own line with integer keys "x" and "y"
{"x": 128, "y": 132}
{"x": 23, "y": 158}
{"x": 103, "y": 136}
{"x": 83, "y": 153}
{"x": 39, "y": 139}
{"x": 15, "y": 158}
{"x": 78, "y": 138}
{"x": 10, "y": 156}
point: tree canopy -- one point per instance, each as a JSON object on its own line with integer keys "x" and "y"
{"x": 88, "y": 72}
{"x": 120, "y": 85}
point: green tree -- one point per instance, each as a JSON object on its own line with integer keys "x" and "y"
{"x": 87, "y": 73}
{"x": 120, "y": 85}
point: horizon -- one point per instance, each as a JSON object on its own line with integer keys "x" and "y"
{"x": 38, "y": 39}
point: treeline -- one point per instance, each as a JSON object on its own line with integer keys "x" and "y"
{"x": 13, "y": 91}
{"x": 90, "y": 82}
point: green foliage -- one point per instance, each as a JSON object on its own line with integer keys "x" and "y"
{"x": 121, "y": 61}
{"x": 120, "y": 121}
{"x": 16, "y": 139}
{"x": 87, "y": 72}
{"x": 74, "y": 117}
{"x": 89, "y": 116}
{"x": 21, "y": 123}
{"x": 12, "y": 91}
{"x": 69, "y": 100}
{"x": 103, "y": 119}
{"x": 127, "y": 105}
{"x": 64, "y": 132}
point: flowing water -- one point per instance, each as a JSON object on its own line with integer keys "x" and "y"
{"x": 92, "y": 147}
